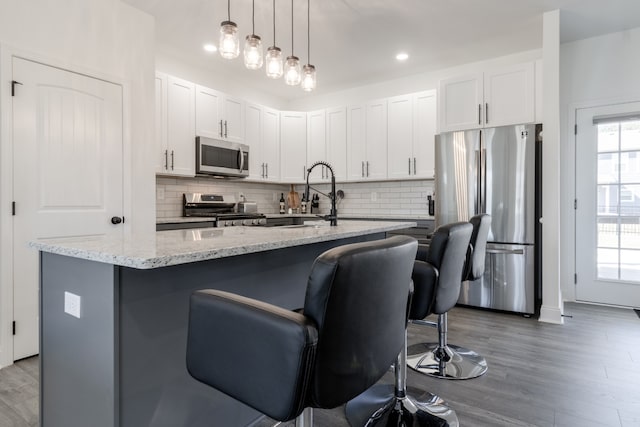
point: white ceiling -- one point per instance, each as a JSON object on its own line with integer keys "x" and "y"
{"x": 354, "y": 42}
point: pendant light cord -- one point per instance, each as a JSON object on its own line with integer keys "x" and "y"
{"x": 253, "y": 17}
{"x": 308, "y": 33}
{"x": 292, "y": 28}
{"x": 228, "y": 10}
{"x": 274, "y": 23}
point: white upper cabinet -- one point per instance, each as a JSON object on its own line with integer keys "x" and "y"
{"x": 367, "y": 141}
{"x": 411, "y": 131}
{"x": 270, "y": 151}
{"x": 376, "y": 142}
{"x": 262, "y": 134}
{"x": 497, "y": 97}
{"x": 424, "y": 133}
{"x": 175, "y": 126}
{"x": 218, "y": 115}
{"x": 509, "y": 95}
{"x": 337, "y": 141}
{"x": 317, "y": 145}
{"x": 293, "y": 147}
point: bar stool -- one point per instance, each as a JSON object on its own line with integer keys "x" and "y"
{"x": 386, "y": 405}
{"x": 441, "y": 359}
{"x": 344, "y": 340}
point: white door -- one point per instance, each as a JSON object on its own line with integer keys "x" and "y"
{"x": 270, "y": 148}
{"x": 424, "y": 133}
{"x": 376, "y": 161}
{"x": 293, "y": 147}
{"x": 508, "y": 95}
{"x": 68, "y": 156}
{"x": 233, "y": 109}
{"x": 209, "y": 120}
{"x": 337, "y": 141}
{"x": 161, "y": 154}
{"x": 253, "y": 133}
{"x": 460, "y": 100}
{"x": 181, "y": 127}
{"x": 356, "y": 142}
{"x": 316, "y": 144}
{"x": 608, "y": 205}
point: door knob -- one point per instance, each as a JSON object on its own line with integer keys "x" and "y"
{"x": 116, "y": 220}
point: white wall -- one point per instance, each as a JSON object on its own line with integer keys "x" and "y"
{"x": 595, "y": 71}
{"x": 104, "y": 38}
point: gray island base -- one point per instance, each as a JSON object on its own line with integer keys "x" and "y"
{"x": 122, "y": 363}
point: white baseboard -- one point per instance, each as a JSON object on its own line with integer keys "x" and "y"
{"x": 551, "y": 315}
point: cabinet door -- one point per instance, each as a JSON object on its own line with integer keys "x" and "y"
{"x": 356, "y": 140}
{"x": 424, "y": 133}
{"x": 270, "y": 151}
{"x": 376, "y": 161}
{"x": 400, "y": 137}
{"x": 316, "y": 144}
{"x": 208, "y": 113}
{"x": 293, "y": 147}
{"x": 461, "y": 100}
{"x": 161, "y": 155}
{"x": 233, "y": 116}
{"x": 253, "y": 138}
{"x": 337, "y": 141}
{"x": 509, "y": 95}
{"x": 181, "y": 135}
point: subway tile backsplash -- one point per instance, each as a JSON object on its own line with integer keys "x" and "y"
{"x": 360, "y": 198}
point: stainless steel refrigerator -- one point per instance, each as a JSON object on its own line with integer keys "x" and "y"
{"x": 494, "y": 171}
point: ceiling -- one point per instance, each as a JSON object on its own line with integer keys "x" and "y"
{"x": 354, "y": 42}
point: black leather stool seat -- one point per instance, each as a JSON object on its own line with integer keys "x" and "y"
{"x": 350, "y": 331}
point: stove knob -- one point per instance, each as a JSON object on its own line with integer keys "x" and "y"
{"x": 246, "y": 222}
{"x": 255, "y": 222}
{"x": 262, "y": 221}
{"x": 228, "y": 223}
{"x": 237, "y": 222}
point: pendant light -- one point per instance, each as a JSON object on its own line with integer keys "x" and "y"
{"x": 253, "y": 44}
{"x": 274, "y": 65}
{"x": 308, "y": 71}
{"x": 292, "y": 66}
{"x": 229, "y": 45}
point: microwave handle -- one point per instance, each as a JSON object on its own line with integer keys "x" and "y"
{"x": 241, "y": 154}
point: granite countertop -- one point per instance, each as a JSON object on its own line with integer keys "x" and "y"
{"x": 165, "y": 248}
{"x": 179, "y": 220}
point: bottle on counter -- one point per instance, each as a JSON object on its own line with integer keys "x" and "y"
{"x": 282, "y": 203}
{"x": 303, "y": 204}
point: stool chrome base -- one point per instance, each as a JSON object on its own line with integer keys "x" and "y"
{"x": 450, "y": 361}
{"x": 379, "y": 406}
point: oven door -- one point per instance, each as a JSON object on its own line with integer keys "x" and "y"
{"x": 222, "y": 158}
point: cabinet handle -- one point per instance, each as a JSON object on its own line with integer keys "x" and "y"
{"x": 225, "y": 128}
{"x": 486, "y": 113}
{"x": 479, "y": 114}
{"x": 367, "y": 168}
{"x": 166, "y": 159}
{"x": 171, "y": 159}
{"x": 266, "y": 168}
{"x": 262, "y": 174}
{"x": 363, "y": 168}
{"x": 220, "y": 128}
{"x": 409, "y": 159}
{"x": 414, "y": 166}
{"x": 304, "y": 170}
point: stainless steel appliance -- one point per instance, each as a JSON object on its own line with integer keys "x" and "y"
{"x": 494, "y": 171}
{"x": 221, "y": 158}
{"x": 222, "y": 213}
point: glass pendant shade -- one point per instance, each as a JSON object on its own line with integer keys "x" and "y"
{"x": 274, "y": 65}
{"x": 229, "y": 45}
{"x": 292, "y": 75}
{"x": 253, "y": 58}
{"x": 308, "y": 78}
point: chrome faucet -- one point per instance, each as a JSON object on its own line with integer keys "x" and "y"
{"x": 333, "y": 215}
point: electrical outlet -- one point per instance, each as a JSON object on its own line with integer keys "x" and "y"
{"x": 374, "y": 196}
{"x": 241, "y": 196}
{"x": 72, "y": 304}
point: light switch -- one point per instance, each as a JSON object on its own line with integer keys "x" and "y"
{"x": 72, "y": 304}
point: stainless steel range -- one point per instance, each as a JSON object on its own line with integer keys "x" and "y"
{"x": 223, "y": 213}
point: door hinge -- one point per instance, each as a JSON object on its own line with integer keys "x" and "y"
{"x": 575, "y": 278}
{"x": 13, "y": 208}
{"x": 575, "y": 129}
{"x": 13, "y": 87}
{"x": 14, "y": 327}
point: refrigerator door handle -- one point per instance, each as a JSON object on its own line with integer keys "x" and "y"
{"x": 506, "y": 251}
{"x": 483, "y": 186}
{"x": 476, "y": 202}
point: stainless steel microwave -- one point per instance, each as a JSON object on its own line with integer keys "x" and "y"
{"x": 221, "y": 158}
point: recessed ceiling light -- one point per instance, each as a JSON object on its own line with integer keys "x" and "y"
{"x": 402, "y": 56}
{"x": 209, "y": 47}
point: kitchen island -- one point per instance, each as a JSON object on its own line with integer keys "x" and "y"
{"x": 122, "y": 361}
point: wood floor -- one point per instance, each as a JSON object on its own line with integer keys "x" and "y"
{"x": 583, "y": 373}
